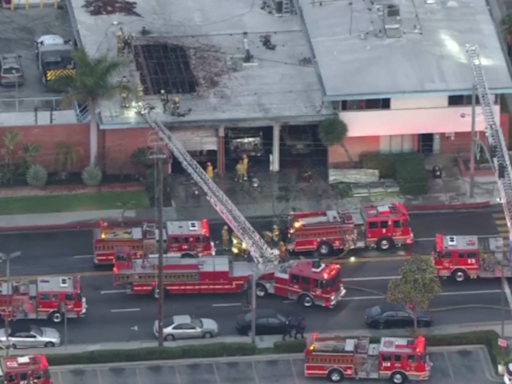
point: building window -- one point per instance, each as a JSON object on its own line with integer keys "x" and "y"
{"x": 358, "y": 105}
{"x": 462, "y": 100}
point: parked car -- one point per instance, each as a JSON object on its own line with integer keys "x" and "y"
{"x": 22, "y": 335}
{"x": 11, "y": 71}
{"x": 187, "y": 327}
{"x": 395, "y": 316}
{"x": 268, "y": 322}
{"x": 507, "y": 377}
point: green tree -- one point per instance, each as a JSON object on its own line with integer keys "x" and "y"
{"x": 417, "y": 285}
{"x": 67, "y": 157}
{"x": 333, "y": 131}
{"x": 94, "y": 81}
{"x": 9, "y": 151}
{"x": 29, "y": 152}
{"x": 506, "y": 29}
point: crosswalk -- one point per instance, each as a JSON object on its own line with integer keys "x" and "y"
{"x": 501, "y": 225}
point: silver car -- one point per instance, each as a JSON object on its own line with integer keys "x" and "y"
{"x": 31, "y": 337}
{"x": 187, "y": 327}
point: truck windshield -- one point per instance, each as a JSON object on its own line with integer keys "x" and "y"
{"x": 47, "y": 374}
{"x": 436, "y": 254}
{"x": 424, "y": 358}
{"x": 332, "y": 282}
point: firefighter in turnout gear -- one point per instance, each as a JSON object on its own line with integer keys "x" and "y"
{"x": 276, "y": 234}
{"x": 238, "y": 247}
{"x": 175, "y": 106}
{"x": 124, "y": 92}
{"x": 139, "y": 93}
{"x": 239, "y": 171}
{"x": 164, "y": 98}
{"x": 282, "y": 251}
{"x": 120, "y": 42}
{"x": 209, "y": 170}
{"x": 225, "y": 238}
{"x": 245, "y": 163}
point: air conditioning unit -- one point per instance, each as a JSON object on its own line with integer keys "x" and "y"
{"x": 452, "y": 240}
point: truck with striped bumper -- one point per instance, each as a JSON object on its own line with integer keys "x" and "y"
{"x": 54, "y": 58}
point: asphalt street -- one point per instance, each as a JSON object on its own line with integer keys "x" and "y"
{"x": 113, "y": 315}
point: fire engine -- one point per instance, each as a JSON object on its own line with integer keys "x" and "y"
{"x": 337, "y": 358}
{"x": 49, "y": 298}
{"x": 308, "y": 282}
{"x": 25, "y": 369}
{"x": 180, "y": 236}
{"x": 381, "y": 227}
{"x": 470, "y": 256}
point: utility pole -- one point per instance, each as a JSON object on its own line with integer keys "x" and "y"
{"x": 7, "y": 259}
{"x": 254, "y": 276}
{"x": 473, "y": 144}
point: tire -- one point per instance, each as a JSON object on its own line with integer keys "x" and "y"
{"x": 335, "y": 375}
{"x": 398, "y": 378}
{"x": 188, "y": 255}
{"x": 261, "y": 290}
{"x": 324, "y": 248}
{"x": 381, "y": 325}
{"x": 459, "y": 275}
{"x": 55, "y": 317}
{"x": 306, "y": 301}
{"x": 169, "y": 338}
{"x": 385, "y": 244}
{"x": 207, "y": 335}
{"x": 49, "y": 344}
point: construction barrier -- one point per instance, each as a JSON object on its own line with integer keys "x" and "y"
{"x": 26, "y": 4}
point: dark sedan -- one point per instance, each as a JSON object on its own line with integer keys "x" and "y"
{"x": 396, "y": 316}
{"x": 268, "y": 322}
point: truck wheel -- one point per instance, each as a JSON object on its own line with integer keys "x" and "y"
{"x": 324, "y": 248}
{"x": 385, "y": 243}
{"x": 459, "y": 275}
{"x": 261, "y": 290}
{"x": 188, "y": 255}
{"x": 55, "y": 317}
{"x": 306, "y": 301}
{"x": 398, "y": 377}
{"x": 335, "y": 375}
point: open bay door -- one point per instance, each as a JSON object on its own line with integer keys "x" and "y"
{"x": 196, "y": 138}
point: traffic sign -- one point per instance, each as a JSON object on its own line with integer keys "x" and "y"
{"x": 502, "y": 342}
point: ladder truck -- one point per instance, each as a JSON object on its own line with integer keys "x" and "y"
{"x": 494, "y": 134}
{"x": 265, "y": 257}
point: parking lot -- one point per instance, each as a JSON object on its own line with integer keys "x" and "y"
{"x": 460, "y": 367}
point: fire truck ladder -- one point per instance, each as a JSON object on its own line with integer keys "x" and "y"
{"x": 260, "y": 251}
{"x": 493, "y": 133}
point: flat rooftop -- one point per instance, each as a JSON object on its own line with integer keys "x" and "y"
{"x": 357, "y": 60}
{"x": 275, "y": 85}
{"x": 18, "y": 31}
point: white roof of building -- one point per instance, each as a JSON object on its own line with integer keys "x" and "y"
{"x": 356, "y": 63}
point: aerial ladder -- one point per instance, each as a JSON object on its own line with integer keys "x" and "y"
{"x": 494, "y": 134}
{"x": 265, "y": 257}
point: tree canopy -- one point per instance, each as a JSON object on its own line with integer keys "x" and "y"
{"x": 417, "y": 285}
{"x": 332, "y": 131}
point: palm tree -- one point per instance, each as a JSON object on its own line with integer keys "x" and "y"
{"x": 10, "y": 141}
{"x": 29, "y": 152}
{"x": 92, "y": 82}
{"x": 66, "y": 157}
{"x": 506, "y": 24}
{"x": 333, "y": 131}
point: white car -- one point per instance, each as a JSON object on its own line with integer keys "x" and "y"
{"x": 187, "y": 327}
{"x": 507, "y": 378}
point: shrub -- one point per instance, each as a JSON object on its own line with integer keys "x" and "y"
{"x": 411, "y": 174}
{"x": 151, "y": 183}
{"x": 92, "y": 176}
{"x": 36, "y": 176}
{"x": 385, "y": 164}
{"x": 290, "y": 346}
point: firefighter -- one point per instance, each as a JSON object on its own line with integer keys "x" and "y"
{"x": 239, "y": 171}
{"x": 238, "y": 247}
{"x": 164, "y": 98}
{"x": 175, "y": 106}
{"x": 127, "y": 43}
{"x": 267, "y": 237}
{"x": 209, "y": 170}
{"x": 245, "y": 163}
{"x": 124, "y": 93}
{"x": 276, "y": 234}
{"x": 139, "y": 93}
{"x": 120, "y": 42}
{"x": 282, "y": 251}
{"x": 225, "y": 238}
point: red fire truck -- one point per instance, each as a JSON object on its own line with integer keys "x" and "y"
{"x": 470, "y": 256}
{"x": 308, "y": 282}
{"x": 337, "y": 358}
{"x": 381, "y": 227}
{"x": 180, "y": 236}
{"x": 25, "y": 369}
{"x": 49, "y": 298}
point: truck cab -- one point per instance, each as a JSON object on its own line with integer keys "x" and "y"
{"x": 31, "y": 369}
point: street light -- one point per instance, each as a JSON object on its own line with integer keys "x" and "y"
{"x": 7, "y": 259}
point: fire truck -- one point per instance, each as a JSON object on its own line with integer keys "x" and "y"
{"x": 337, "y": 358}
{"x": 381, "y": 227}
{"x": 462, "y": 257}
{"x": 25, "y": 369}
{"x": 308, "y": 282}
{"x": 49, "y": 298}
{"x": 180, "y": 236}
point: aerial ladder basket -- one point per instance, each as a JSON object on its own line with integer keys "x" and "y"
{"x": 493, "y": 132}
{"x": 263, "y": 255}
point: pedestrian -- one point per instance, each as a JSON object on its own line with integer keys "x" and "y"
{"x": 300, "y": 327}
{"x": 225, "y": 238}
{"x": 245, "y": 165}
{"x": 289, "y": 327}
{"x": 239, "y": 172}
{"x": 209, "y": 170}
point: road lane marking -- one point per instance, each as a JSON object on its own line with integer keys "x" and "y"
{"x": 83, "y": 257}
{"x": 227, "y": 305}
{"x": 256, "y": 378}
{"x": 449, "y": 366}
{"x": 374, "y": 297}
{"x": 216, "y": 373}
{"x": 114, "y": 291}
{"x": 125, "y": 310}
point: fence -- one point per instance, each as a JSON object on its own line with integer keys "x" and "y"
{"x": 30, "y": 104}
{"x": 16, "y": 4}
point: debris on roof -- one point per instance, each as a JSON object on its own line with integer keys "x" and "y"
{"x": 111, "y": 7}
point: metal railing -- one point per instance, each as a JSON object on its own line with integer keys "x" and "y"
{"x": 30, "y": 104}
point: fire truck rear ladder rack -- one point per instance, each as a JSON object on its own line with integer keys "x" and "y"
{"x": 262, "y": 254}
{"x": 493, "y": 132}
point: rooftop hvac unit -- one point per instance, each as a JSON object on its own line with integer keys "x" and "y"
{"x": 192, "y": 226}
{"x": 452, "y": 240}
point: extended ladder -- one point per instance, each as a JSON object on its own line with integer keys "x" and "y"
{"x": 261, "y": 253}
{"x": 493, "y": 132}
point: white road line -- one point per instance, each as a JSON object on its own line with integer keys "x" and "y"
{"x": 371, "y": 278}
{"x": 227, "y": 305}
{"x": 83, "y": 257}
{"x": 125, "y": 310}
{"x": 114, "y": 291}
{"x": 508, "y": 294}
{"x": 375, "y": 297}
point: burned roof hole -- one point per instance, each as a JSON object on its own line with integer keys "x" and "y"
{"x": 164, "y": 67}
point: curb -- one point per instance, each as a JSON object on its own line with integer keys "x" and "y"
{"x": 90, "y": 224}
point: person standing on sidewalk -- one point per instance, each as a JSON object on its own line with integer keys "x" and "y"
{"x": 300, "y": 327}
{"x": 289, "y": 327}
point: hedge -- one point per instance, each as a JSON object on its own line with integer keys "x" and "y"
{"x": 385, "y": 164}
{"x": 411, "y": 175}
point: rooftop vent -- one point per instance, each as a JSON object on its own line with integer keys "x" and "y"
{"x": 452, "y": 240}
{"x": 430, "y": 1}
{"x": 392, "y": 21}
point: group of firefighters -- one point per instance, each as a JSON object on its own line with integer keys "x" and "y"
{"x": 234, "y": 244}
{"x": 241, "y": 169}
